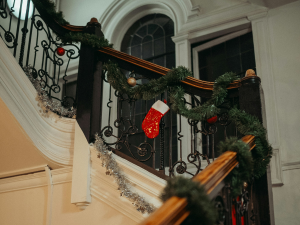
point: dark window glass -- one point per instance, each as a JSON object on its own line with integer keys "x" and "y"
{"x": 235, "y": 55}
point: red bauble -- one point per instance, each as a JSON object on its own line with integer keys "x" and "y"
{"x": 212, "y": 119}
{"x": 60, "y": 51}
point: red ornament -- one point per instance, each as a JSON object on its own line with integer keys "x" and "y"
{"x": 212, "y": 119}
{"x": 60, "y": 51}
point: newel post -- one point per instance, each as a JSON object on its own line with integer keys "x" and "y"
{"x": 89, "y": 86}
{"x": 250, "y": 102}
{"x": 88, "y": 118}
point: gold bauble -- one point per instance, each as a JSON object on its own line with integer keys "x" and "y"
{"x": 131, "y": 81}
{"x": 249, "y": 73}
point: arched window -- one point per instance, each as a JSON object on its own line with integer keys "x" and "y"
{"x": 150, "y": 38}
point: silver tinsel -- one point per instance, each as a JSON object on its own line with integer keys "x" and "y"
{"x": 113, "y": 169}
{"x": 45, "y": 102}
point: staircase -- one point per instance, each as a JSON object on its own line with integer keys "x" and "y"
{"x": 71, "y": 168}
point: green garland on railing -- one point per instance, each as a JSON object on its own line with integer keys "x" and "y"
{"x": 210, "y": 107}
{"x": 248, "y": 124}
{"x": 245, "y": 123}
{"x": 146, "y": 91}
{"x": 50, "y": 7}
{"x": 72, "y": 37}
{"x": 202, "y": 209}
{"x": 244, "y": 170}
{"x": 87, "y": 39}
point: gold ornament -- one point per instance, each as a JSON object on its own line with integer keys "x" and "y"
{"x": 249, "y": 73}
{"x": 131, "y": 81}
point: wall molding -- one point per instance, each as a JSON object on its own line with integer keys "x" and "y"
{"x": 291, "y": 165}
{"x": 53, "y": 136}
{"x": 22, "y": 171}
{"x": 276, "y": 169}
{"x": 35, "y": 180}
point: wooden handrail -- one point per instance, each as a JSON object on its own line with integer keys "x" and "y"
{"x": 137, "y": 63}
{"x": 173, "y": 210}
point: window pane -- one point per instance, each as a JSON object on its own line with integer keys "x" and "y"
{"x": 234, "y": 64}
{"x": 160, "y": 61}
{"x": 170, "y": 44}
{"x": 246, "y": 42}
{"x": 147, "y": 39}
{"x": 248, "y": 60}
{"x": 204, "y": 58}
{"x": 170, "y": 61}
{"x": 152, "y": 28}
{"x": 159, "y": 46}
{"x": 233, "y": 47}
{"x": 219, "y": 68}
{"x": 218, "y": 52}
{"x": 169, "y": 28}
{"x": 158, "y": 33}
{"x": 142, "y": 31}
{"x": 206, "y": 73}
{"x": 136, "y": 51}
{"x": 147, "y": 50}
{"x": 136, "y": 40}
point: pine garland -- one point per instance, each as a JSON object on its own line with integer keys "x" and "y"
{"x": 209, "y": 108}
{"x": 248, "y": 124}
{"x": 243, "y": 172}
{"x": 201, "y": 208}
{"x": 146, "y": 91}
{"x": 71, "y": 37}
{"x": 87, "y": 39}
{"x": 245, "y": 123}
{"x": 50, "y": 7}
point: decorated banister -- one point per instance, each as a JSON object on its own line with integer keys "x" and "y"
{"x": 173, "y": 210}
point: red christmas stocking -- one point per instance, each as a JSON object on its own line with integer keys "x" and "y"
{"x": 150, "y": 124}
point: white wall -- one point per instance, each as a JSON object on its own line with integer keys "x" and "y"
{"x": 24, "y": 200}
{"x": 79, "y": 12}
{"x": 284, "y": 23}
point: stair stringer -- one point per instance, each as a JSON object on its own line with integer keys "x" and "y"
{"x": 104, "y": 187}
{"x": 53, "y": 136}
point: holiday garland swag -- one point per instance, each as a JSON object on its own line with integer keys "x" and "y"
{"x": 250, "y": 163}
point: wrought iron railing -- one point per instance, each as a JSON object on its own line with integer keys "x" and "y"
{"x": 33, "y": 43}
{"x": 186, "y": 149}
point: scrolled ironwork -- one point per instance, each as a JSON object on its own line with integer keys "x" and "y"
{"x": 48, "y": 67}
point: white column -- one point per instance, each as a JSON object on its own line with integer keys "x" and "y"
{"x": 263, "y": 60}
{"x": 81, "y": 194}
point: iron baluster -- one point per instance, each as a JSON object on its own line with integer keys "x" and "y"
{"x": 24, "y": 34}
{"x": 10, "y": 13}
{"x": 213, "y": 146}
{"x": 18, "y": 26}
{"x": 153, "y": 159}
{"x": 207, "y": 145}
{"x": 30, "y": 35}
{"x": 170, "y": 141}
{"x": 162, "y": 142}
{"x": 36, "y": 48}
